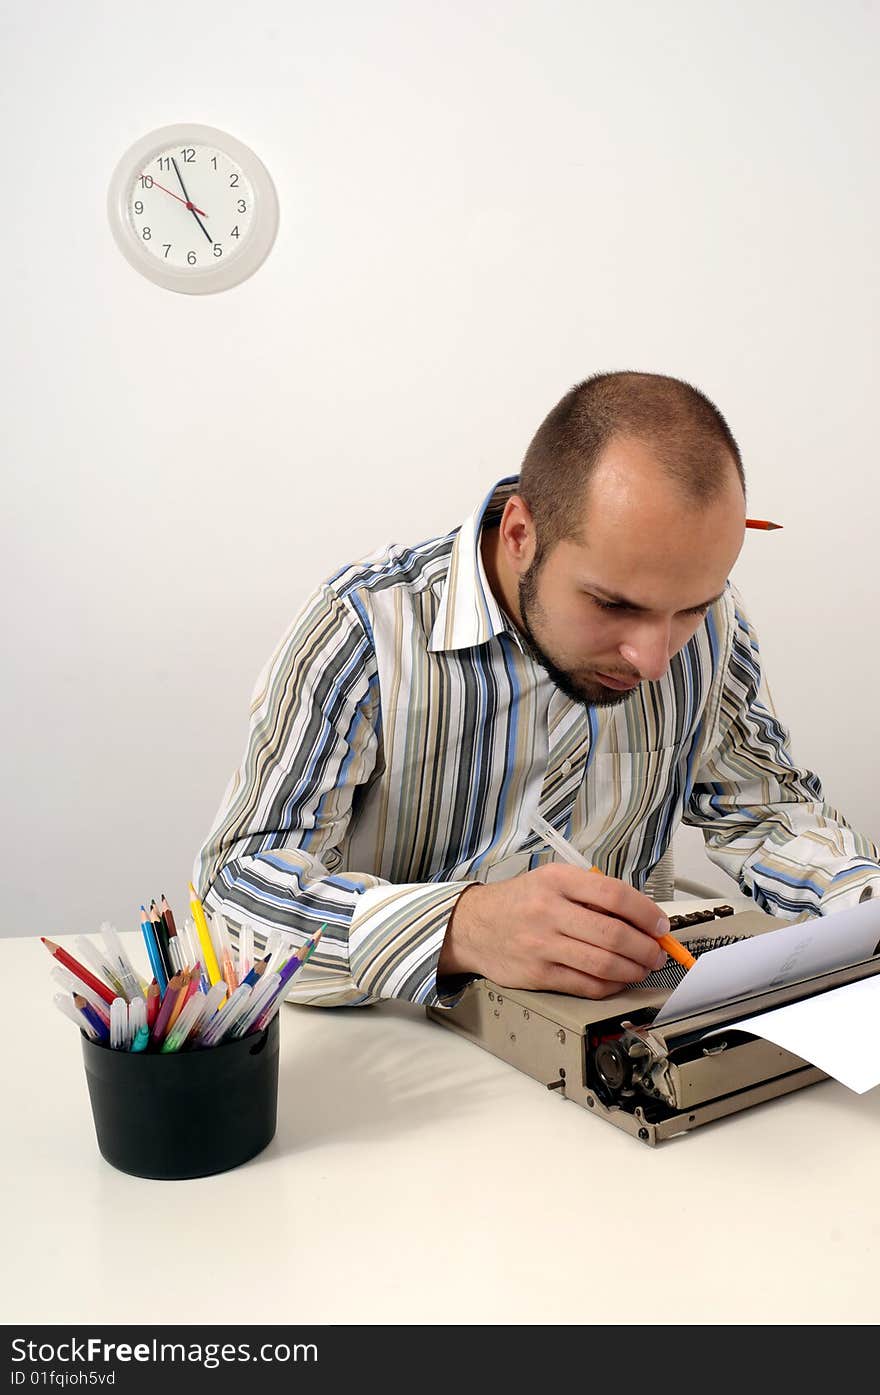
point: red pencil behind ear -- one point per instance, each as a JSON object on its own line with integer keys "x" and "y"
{"x": 761, "y": 523}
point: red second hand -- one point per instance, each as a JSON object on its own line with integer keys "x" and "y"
{"x": 179, "y": 199}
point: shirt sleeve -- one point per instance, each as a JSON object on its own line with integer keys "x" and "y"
{"x": 273, "y": 855}
{"x": 764, "y": 818}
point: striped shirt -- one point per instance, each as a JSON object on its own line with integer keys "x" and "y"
{"x": 401, "y": 736}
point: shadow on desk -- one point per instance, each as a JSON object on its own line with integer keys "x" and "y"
{"x": 368, "y": 1073}
{"x": 843, "y": 1108}
{"x": 374, "y": 1073}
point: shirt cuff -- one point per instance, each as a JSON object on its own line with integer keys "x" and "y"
{"x": 395, "y": 938}
{"x": 857, "y": 882}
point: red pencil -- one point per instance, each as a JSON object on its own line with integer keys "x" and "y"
{"x": 761, "y": 523}
{"x": 154, "y": 999}
{"x": 79, "y": 970}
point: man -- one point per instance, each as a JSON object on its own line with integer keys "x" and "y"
{"x": 574, "y": 649}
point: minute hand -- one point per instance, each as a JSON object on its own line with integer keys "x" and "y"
{"x": 190, "y": 204}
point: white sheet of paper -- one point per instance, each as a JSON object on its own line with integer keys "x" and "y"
{"x": 836, "y": 1031}
{"x": 772, "y": 960}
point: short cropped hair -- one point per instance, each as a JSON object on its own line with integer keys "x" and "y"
{"x": 693, "y": 443}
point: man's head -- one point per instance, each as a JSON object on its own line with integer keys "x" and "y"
{"x": 629, "y": 517}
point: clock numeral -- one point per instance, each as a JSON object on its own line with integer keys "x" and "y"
{"x": 164, "y": 162}
{"x": 235, "y": 232}
{"x": 242, "y": 206}
{"x": 218, "y": 250}
{"x": 188, "y": 154}
{"x": 146, "y": 234}
{"x": 146, "y": 181}
{"x": 233, "y": 181}
{"x": 191, "y": 258}
{"x": 214, "y": 161}
{"x": 138, "y": 206}
{"x": 167, "y": 246}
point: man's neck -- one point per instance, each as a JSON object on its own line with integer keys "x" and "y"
{"x": 501, "y": 579}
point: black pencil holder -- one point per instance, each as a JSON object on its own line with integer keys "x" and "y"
{"x": 184, "y": 1113}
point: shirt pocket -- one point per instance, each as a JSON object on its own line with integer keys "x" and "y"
{"x": 627, "y": 807}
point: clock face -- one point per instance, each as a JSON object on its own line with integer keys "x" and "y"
{"x": 191, "y": 206}
{"x": 193, "y": 209}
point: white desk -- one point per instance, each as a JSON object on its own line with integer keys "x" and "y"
{"x": 445, "y": 1187}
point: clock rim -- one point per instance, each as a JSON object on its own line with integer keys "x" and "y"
{"x": 202, "y": 280}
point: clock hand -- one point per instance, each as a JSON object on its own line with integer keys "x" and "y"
{"x": 179, "y": 199}
{"x": 191, "y": 206}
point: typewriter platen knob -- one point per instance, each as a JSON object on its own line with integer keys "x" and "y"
{"x": 612, "y": 1064}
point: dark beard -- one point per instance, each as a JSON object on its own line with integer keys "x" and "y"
{"x": 592, "y": 694}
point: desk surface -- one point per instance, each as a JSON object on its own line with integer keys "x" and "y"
{"x": 445, "y": 1187}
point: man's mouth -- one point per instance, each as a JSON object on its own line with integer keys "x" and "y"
{"x": 620, "y": 685}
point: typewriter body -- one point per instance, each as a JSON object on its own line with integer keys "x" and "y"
{"x": 653, "y": 1082}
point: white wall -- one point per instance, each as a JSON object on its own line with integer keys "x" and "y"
{"x": 481, "y": 204}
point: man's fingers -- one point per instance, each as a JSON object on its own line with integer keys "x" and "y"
{"x": 612, "y": 897}
{"x": 604, "y": 964}
{"x": 614, "y": 937}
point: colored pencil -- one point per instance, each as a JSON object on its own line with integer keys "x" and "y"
{"x": 182, "y": 998}
{"x": 571, "y": 855}
{"x": 154, "y": 1000}
{"x": 160, "y": 930}
{"x": 169, "y": 1002}
{"x": 156, "y": 961}
{"x": 169, "y": 918}
{"x": 79, "y": 970}
{"x": 204, "y": 935}
{"x": 91, "y": 1017}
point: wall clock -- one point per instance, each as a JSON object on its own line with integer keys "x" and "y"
{"x": 193, "y": 209}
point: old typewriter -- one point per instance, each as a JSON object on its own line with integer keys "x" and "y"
{"x": 652, "y": 1081}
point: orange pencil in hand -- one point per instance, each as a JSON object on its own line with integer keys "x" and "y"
{"x": 565, "y": 849}
{"x": 676, "y": 951}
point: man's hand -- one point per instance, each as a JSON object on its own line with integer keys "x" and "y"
{"x": 557, "y": 928}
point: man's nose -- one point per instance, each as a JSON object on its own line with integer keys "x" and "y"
{"x": 647, "y": 650}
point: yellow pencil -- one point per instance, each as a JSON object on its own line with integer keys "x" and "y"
{"x": 204, "y": 935}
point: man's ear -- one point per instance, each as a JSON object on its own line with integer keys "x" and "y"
{"x": 518, "y": 534}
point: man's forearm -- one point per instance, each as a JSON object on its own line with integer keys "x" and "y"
{"x": 381, "y": 941}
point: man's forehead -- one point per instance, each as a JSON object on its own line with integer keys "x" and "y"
{"x": 641, "y": 517}
{"x": 648, "y": 571}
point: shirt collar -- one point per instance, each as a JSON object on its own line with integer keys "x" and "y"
{"x": 468, "y": 613}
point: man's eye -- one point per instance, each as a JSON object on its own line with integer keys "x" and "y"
{"x": 699, "y": 610}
